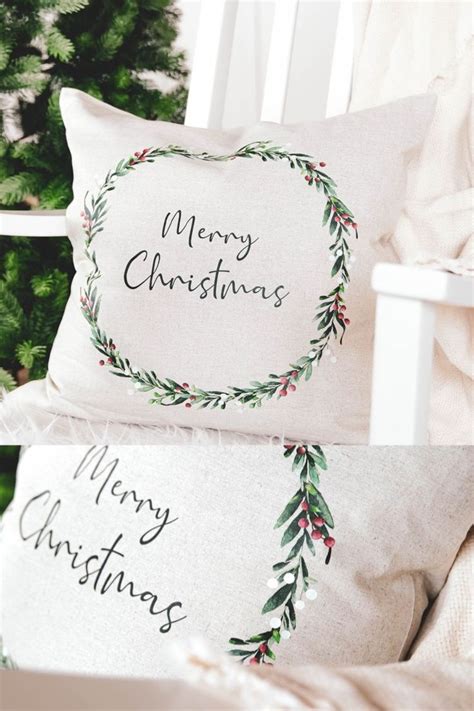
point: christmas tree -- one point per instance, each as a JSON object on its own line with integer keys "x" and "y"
{"x": 8, "y": 464}
{"x": 111, "y": 49}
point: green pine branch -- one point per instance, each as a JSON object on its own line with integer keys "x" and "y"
{"x": 17, "y": 188}
{"x": 65, "y": 7}
{"x": 7, "y": 381}
{"x": 11, "y": 318}
{"x": 59, "y": 46}
{"x": 27, "y": 352}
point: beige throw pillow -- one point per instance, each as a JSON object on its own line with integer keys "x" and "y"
{"x": 91, "y": 576}
{"x": 213, "y": 269}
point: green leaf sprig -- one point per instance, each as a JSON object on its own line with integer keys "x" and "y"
{"x": 307, "y": 520}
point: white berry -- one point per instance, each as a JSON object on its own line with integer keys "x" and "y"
{"x": 311, "y": 594}
{"x": 275, "y": 623}
{"x": 272, "y": 583}
{"x": 334, "y": 359}
{"x": 289, "y": 578}
{"x": 299, "y": 604}
{"x": 285, "y": 634}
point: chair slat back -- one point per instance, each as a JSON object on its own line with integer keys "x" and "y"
{"x": 207, "y": 88}
{"x": 279, "y": 61}
{"x": 340, "y": 80}
{"x": 210, "y": 70}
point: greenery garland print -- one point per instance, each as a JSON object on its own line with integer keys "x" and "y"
{"x": 6, "y": 662}
{"x": 311, "y": 522}
{"x": 331, "y": 316}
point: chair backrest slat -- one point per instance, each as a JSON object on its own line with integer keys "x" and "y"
{"x": 340, "y": 80}
{"x": 279, "y": 60}
{"x": 210, "y": 71}
{"x": 215, "y": 35}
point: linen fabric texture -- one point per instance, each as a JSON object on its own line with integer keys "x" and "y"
{"x": 387, "y": 565}
{"x": 211, "y": 342}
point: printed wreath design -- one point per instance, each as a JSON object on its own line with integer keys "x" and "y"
{"x": 310, "y": 522}
{"x": 331, "y": 316}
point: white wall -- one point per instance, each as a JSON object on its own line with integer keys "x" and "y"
{"x": 311, "y": 64}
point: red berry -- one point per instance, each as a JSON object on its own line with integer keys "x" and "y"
{"x": 113, "y": 346}
{"x": 262, "y": 648}
{"x": 186, "y": 385}
{"x": 354, "y": 225}
{"x": 323, "y": 165}
{"x": 301, "y": 450}
{"x": 192, "y": 398}
{"x": 304, "y": 505}
{"x": 303, "y": 523}
{"x": 307, "y": 177}
{"x": 284, "y": 381}
{"x": 318, "y": 521}
{"x": 347, "y": 321}
{"x": 329, "y": 542}
{"x": 316, "y": 535}
{"x": 289, "y": 446}
{"x": 253, "y": 661}
{"x": 101, "y": 362}
{"x": 342, "y": 307}
{"x": 292, "y": 388}
{"x": 188, "y": 404}
{"x": 110, "y": 360}
{"x": 294, "y": 373}
{"x": 345, "y": 215}
{"x": 347, "y": 223}
{"x": 283, "y": 393}
{"x": 337, "y": 218}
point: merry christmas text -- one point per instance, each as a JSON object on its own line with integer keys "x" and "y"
{"x": 144, "y": 270}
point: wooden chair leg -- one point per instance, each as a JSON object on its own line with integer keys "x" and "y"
{"x": 403, "y": 354}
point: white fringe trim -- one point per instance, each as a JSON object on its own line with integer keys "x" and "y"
{"x": 20, "y": 424}
{"x": 204, "y": 667}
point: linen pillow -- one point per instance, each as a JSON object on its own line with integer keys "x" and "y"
{"x": 202, "y": 259}
{"x": 207, "y": 548}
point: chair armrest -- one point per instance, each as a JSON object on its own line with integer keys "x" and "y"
{"x": 33, "y": 223}
{"x": 403, "y": 347}
{"x": 423, "y": 284}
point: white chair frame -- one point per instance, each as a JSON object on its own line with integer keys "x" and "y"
{"x": 406, "y": 296}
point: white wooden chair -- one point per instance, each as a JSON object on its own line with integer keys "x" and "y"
{"x": 406, "y": 296}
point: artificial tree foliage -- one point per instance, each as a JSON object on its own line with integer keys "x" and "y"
{"x": 109, "y": 49}
{"x": 8, "y": 463}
